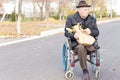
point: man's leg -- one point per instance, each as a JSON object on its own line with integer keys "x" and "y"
{"x": 82, "y": 55}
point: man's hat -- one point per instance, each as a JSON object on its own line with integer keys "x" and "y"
{"x": 82, "y": 4}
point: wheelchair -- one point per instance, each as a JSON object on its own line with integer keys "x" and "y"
{"x": 69, "y": 59}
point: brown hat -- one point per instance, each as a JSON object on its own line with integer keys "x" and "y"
{"x": 82, "y": 4}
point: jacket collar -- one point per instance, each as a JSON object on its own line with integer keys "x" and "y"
{"x": 78, "y": 18}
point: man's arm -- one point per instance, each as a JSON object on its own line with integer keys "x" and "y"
{"x": 69, "y": 25}
{"x": 94, "y": 29}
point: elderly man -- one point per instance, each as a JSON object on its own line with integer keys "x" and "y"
{"x": 89, "y": 25}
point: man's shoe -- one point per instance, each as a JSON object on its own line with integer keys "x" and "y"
{"x": 86, "y": 76}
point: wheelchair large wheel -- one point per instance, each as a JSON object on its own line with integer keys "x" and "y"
{"x": 69, "y": 75}
{"x": 95, "y": 58}
{"x": 65, "y": 55}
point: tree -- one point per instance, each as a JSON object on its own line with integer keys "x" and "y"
{"x": 44, "y": 4}
{"x": 41, "y": 8}
{"x": 0, "y": 4}
{"x": 97, "y": 5}
{"x": 2, "y": 9}
{"x": 65, "y": 8}
{"x": 19, "y": 16}
{"x": 47, "y": 9}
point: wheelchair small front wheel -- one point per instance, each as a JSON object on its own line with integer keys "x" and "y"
{"x": 69, "y": 75}
{"x": 97, "y": 74}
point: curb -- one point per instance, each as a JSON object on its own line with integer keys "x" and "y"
{"x": 51, "y": 32}
{"x": 18, "y": 41}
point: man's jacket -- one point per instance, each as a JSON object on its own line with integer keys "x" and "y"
{"x": 89, "y": 22}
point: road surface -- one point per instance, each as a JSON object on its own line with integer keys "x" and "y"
{"x": 41, "y": 59}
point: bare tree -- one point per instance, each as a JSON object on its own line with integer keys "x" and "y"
{"x": 40, "y": 5}
{"x": 34, "y": 9}
{"x": 19, "y": 16}
{"x": 43, "y": 4}
{"x": 63, "y": 6}
{"x": 0, "y": 4}
{"x": 2, "y": 9}
{"x": 47, "y": 9}
{"x": 97, "y": 5}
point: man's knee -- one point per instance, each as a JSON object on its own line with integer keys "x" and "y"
{"x": 91, "y": 48}
{"x": 81, "y": 47}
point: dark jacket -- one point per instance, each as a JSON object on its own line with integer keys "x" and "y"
{"x": 89, "y": 22}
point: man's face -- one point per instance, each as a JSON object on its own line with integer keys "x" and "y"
{"x": 84, "y": 11}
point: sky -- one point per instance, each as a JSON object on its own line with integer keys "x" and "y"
{"x": 115, "y": 6}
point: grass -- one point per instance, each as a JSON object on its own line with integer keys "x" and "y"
{"x": 27, "y": 28}
{"x": 9, "y": 29}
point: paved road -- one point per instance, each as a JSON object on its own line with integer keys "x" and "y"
{"x": 109, "y": 42}
{"x": 40, "y": 59}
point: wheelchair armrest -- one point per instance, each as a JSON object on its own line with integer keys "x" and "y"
{"x": 96, "y": 45}
{"x": 68, "y": 38}
{"x": 69, "y": 42}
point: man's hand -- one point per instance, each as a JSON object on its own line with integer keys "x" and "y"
{"x": 87, "y": 30}
{"x": 76, "y": 36}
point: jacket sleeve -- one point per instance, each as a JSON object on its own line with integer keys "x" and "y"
{"x": 94, "y": 29}
{"x": 69, "y": 24}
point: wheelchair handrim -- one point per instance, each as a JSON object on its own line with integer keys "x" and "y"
{"x": 65, "y": 56}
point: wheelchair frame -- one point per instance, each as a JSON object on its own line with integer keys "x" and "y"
{"x": 69, "y": 60}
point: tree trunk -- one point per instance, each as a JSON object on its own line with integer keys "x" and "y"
{"x": 47, "y": 12}
{"x": 41, "y": 9}
{"x": 60, "y": 10}
{"x": 34, "y": 10}
{"x": 19, "y": 16}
